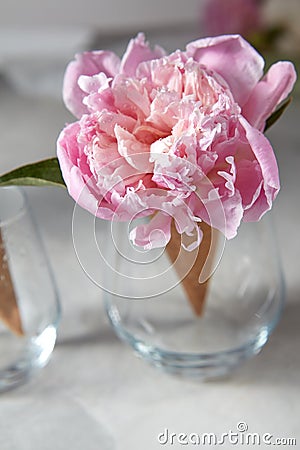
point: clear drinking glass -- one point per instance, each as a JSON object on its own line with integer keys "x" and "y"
{"x": 148, "y": 308}
{"x": 29, "y": 308}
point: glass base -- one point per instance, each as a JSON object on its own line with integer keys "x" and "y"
{"x": 204, "y": 365}
{"x": 30, "y": 354}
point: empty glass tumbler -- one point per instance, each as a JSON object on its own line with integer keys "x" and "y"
{"x": 29, "y": 308}
{"x": 148, "y": 306}
{"x": 147, "y": 293}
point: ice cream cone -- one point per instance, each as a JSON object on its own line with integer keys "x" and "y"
{"x": 9, "y": 310}
{"x": 189, "y": 265}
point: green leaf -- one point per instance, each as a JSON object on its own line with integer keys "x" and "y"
{"x": 277, "y": 113}
{"x": 41, "y": 173}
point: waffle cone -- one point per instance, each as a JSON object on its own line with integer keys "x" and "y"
{"x": 9, "y": 311}
{"x": 195, "y": 260}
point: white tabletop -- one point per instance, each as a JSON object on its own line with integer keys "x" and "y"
{"x": 95, "y": 393}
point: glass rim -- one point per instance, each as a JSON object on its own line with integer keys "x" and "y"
{"x": 18, "y": 211}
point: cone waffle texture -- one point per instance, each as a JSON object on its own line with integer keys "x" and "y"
{"x": 9, "y": 310}
{"x": 189, "y": 265}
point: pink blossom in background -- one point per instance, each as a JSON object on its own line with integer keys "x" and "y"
{"x": 231, "y": 16}
{"x": 178, "y": 135}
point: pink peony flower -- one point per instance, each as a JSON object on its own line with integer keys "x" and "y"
{"x": 178, "y": 135}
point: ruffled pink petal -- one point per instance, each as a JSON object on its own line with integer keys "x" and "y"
{"x": 94, "y": 83}
{"x": 135, "y": 153}
{"x": 269, "y": 92}
{"x": 248, "y": 181}
{"x": 154, "y": 234}
{"x": 223, "y": 214}
{"x": 131, "y": 97}
{"x": 264, "y": 154}
{"x": 87, "y": 63}
{"x": 109, "y": 119}
{"x": 233, "y": 211}
{"x": 258, "y": 209}
{"x": 234, "y": 59}
{"x": 74, "y": 178}
{"x": 191, "y": 234}
{"x": 137, "y": 52}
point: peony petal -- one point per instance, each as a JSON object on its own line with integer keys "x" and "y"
{"x": 264, "y": 154}
{"x": 233, "y": 211}
{"x": 269, "y": 92}
{"x": 131, "y": 97}
{"x": 87, "y": 63}
{"x": 258, "y": 209}
{"x": 234, "y": 59}
{"x": 135, "y": 153}
{"x": 224, "y": 214}
{"x": 249, "y": 181}
{"x": 154, "y": 234}
{"x": 74, "y": 178}
{"x": 191, "y": 234}
{"x": 137, "y": 52}
{"x": 94, "y": 83}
